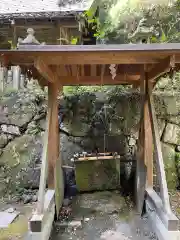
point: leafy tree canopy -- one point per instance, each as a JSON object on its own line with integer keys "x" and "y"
{"x": 125, "y": 21}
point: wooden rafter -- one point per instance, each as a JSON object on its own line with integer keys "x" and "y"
{"x": 159, "y": 69}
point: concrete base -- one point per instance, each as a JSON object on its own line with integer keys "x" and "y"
{"x": 40, "y": 225}
{"x": 47, "y": 228}
{"x": 157, "y": 225}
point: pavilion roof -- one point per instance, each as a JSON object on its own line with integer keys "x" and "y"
{"x": 89, "y": 65}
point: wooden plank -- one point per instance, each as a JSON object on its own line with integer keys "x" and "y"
{"x": 61, "y": 71}
{"x": 97, "y": 158}
{"x": 44, "y": 167}
{"x": 82, "y": 70}
{"x": 141, "y": 169}
{"x": 44, "y": 70}
{"x": 74, "y": 70}
{"x": 159, "y": 69}
{"x": 148, "y": 141}
{"x": 159, "y": 158}
{"x": 102, "y": 74}
{"x": 93, "y": 58}
{"x": 54, "y": 168}
{"x": 53, "y": 151}
{"x": 56, "y": 58}
{"x": 74, "y": 58}
{"x": 170, "y": 221}
{"x": 168, "y": 47}
{"x": 93, "y": 70}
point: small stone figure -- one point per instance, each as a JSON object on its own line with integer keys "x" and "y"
{"x": 30, "y": 39}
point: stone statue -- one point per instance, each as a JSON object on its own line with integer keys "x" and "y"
{"x": 30, "y": 39}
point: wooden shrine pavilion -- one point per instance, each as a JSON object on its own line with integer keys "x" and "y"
{"x": 137, "y": 64}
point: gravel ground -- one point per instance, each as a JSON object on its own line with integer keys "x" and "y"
{"x": 96, "y": 216}
{"x": 103, "y": 215}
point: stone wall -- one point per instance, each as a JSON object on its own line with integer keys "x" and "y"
{"x": 88, "y": 122}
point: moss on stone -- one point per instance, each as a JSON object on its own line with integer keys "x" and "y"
{"x": 170, "y": 166}
{"x": 97, "y": 175}
{"x": 16, "y": 230}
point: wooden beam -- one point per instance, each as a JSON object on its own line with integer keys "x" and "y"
{"x": 44, "y": 167}
{"x": 58, "y": 58}
{"x": 159, "y": 157}
{"x": 159, "y": 69}
{"x": 95, "y": 58}
{"x": 93, "y": 70}
{"x": 44, "y": 70}
{"x": 141, "y": 169}
{"x": 102, "y": 73}
{"x": 148, "y": 141}
{"x": 106, "y": 80}
{"x": 82, "y": 70}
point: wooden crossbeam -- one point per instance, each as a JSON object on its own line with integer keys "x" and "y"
{"x": 159, "y": 69}
{"x": 44, "y": 70}
{"x": 159, "y": 157}
{"x": 105, "y": 80}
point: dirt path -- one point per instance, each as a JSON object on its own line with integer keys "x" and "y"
{"x": 103, "y": 215}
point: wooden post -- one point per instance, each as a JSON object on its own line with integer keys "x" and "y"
{"x": 141, "y": 170}
{"x": 55, "y": 176}
{"x": 148, "y": 141}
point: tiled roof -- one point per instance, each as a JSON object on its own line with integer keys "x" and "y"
{"x": 41, "y": 8}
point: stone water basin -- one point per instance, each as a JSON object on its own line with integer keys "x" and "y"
{"x": 99, "y": 172}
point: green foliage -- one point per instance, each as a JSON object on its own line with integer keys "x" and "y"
{"x": 119, "y": 19}
{"x": 74, "y": 41}
{"x": 12, "y": 45}
{"x": 69, "y": 90}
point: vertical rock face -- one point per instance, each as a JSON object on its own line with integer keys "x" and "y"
{"x": 172, "y": 134}
{"x": 170, "y": 165}
{"x": 86, "y": 124}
